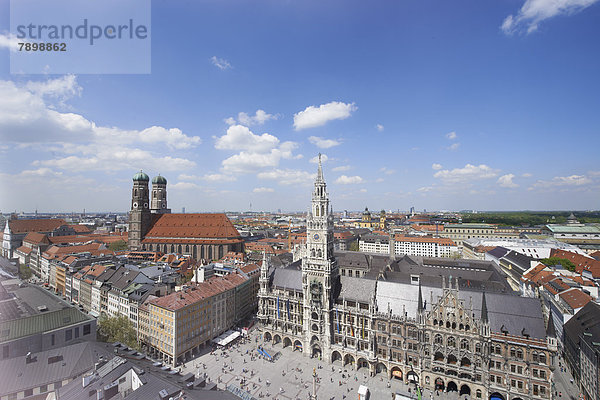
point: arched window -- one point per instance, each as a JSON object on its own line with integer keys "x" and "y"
{"x": 513, "y": 352}
{"x": 323, "y": 210}
{"x": 464, "y": 344}
{"x": 478, "y": 348}
{"x": 520, "y": 353}
{"x": 135, "y": 192}
{"x": 542, "y": 358}
{"x": 439, "y": 339}
{"x": 154, "y": 194}
{"x": 451, "y": 342}
{"x": 426, "y": 338}
{"x": 312, "y": 253}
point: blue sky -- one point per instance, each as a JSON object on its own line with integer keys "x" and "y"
{"x": 488, "y": 105}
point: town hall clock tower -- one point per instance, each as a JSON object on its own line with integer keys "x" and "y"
{"x": 320, "y": 275}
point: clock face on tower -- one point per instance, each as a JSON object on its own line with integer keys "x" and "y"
{"x": 316, "y": 236}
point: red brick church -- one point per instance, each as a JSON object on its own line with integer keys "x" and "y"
{"x": 152, "y": 226}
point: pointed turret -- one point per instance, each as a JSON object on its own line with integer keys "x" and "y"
{"x": 484, "y": 310}
{"x": 551, "y": 340}
{"x": 420, "y": 300}
{"x": 320, "y": 171}
{"x": 550, "y": 330}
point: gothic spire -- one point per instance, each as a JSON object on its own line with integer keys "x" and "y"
{"x": 320, "y": 171}
{"x": 550, "y": 330}
{"x": 484, "y": 310}
{"x": 420, "y": 300}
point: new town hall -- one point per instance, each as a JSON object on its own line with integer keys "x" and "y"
{"x": 448, "y": 325}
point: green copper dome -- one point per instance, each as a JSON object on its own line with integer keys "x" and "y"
{"x": 159, "y": 179}
{"x": 140, "y": 176}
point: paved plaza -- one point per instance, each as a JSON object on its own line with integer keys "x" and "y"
{"x": 289, "y": 376}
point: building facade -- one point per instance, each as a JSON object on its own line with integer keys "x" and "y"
{"x": 452, "y": 336}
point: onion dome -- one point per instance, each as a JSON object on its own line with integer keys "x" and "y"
{"x": 141, "y": 176}
{"x": 159, "y": 180}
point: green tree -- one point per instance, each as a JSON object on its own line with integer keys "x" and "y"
{"x": 353, "y": 246}
{"x": 567, "y": 264}
{"x": 117, "y": 329}
{"x": 24, "y": 271}
{"x": 119, "y": 245}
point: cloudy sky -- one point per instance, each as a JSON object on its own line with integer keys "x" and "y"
{"x": 489, "y": 105}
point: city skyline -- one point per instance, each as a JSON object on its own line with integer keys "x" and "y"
{"x": 485, "y": 107}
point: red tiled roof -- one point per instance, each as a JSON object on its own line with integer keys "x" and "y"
{"x": 596, "y": 255}
{"x": 583, "y": 281}
{"x": 250, "y": 268}
{"x": 533, "y": 271}
{"x": 430, "y": 228}
{"x": 24, "y": 249}
{"x": 93, "y": 248}
{"x": 80, "y": 228}
{"x": 581, "y": 262}
{"x": 36, "y": 238}
{"x": 343, "y": 235}
{"x": 198, "y": 226}
{"x": 35, "y": 225}
{"x": 542, "y": 277}
{"x": 199, "y": 291}
{"x": 575, "y": 298}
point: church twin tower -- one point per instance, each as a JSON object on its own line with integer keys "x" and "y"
{"x": 143, "y": 205}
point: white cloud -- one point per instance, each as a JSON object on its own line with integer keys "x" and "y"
{"x": 349, "y": 180}
{"x": 219, "y": 178}
{"x": 313, "y": 116}
{"x": 220, "y": 63}
{"x": 10, "y": 41}
{"x": 315, "y": 160}
{"x": 425, "y": 189}
{"x": 62, "y": 88}
{"x": 363, "y": 190}
{"x": 451, "y": 135}
{"x": 29, "y": 118}
{"x": 263, "y": 190}
{"x": 257, "y": 151}
{"x": 533, "y": 12}
{"x": 380, "y": 127}
{"x": 341, "y": 168}
{"x": 387, "y": 171}
{"x": 288, "y": 176}
{"x": 527, "y": 175}
{"x": 259, "y": 118}
{"x": 239, "y": 137}
{"x": 561, "y": 181}
{"x": 436, "y": 166}
{"x": 454, "y": 146}
{"x": 507, "y": 181}
{"x": 324, "y": 143}
{"x": 379, "y": 180}
{"x": 466, "y": 174}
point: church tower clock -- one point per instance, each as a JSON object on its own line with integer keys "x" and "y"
{"x": 320, "y": 274}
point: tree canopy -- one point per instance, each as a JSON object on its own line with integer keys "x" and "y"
{"x": 118, "y": 245}
{"x": 567, "y": 264}
{"x": 117, "y": 329}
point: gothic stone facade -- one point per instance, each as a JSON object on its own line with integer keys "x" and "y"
{"x": 482, "y": 345}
